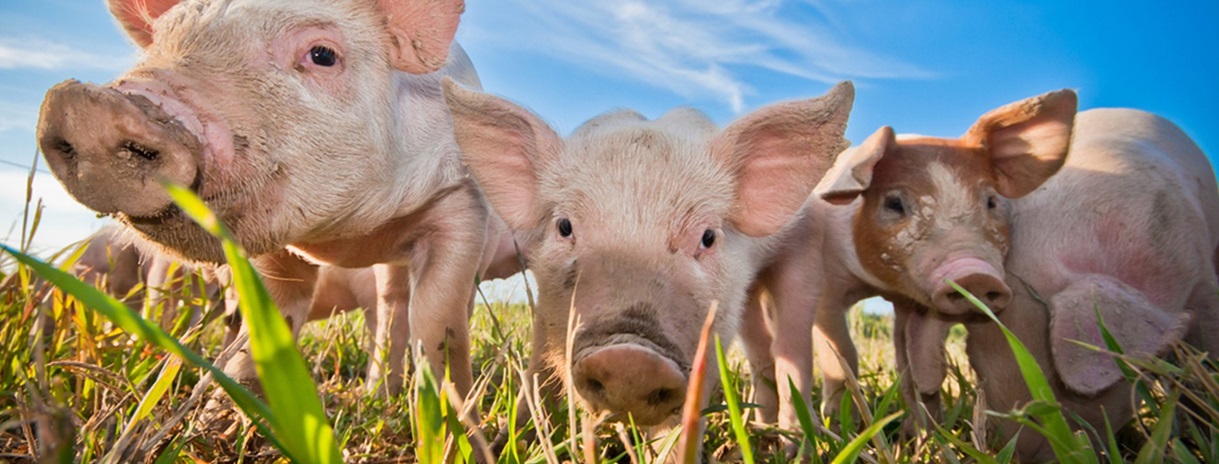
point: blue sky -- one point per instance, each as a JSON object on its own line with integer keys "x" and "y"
{"x": 929, "y": 67}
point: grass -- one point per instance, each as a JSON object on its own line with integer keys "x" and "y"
{"x": 83, "y": 380}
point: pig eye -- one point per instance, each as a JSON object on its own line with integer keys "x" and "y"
{"x": 708, "y": 238}
{"x": 323, "y": 56}
{"x": 564, "y": 225}
{"x": 894, "y": 203}
{"x": 990, "y": 202}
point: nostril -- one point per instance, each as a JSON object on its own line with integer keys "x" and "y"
{"x": 594, "y": 387}
{"x": 661, "y": 396}
{"x": 993, "y": 296}
{"x": 131, "y": 147}
{"x": 65, "y": 149}
{"x": 955, "y": 296}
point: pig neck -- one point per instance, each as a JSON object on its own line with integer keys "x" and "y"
{"x": 839, "y": 222}
{"x": 429, "y": 159}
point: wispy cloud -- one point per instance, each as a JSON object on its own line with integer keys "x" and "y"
{"x": 690, "y": 47}
{"x": 17, "y": 117}
{"x": 36, "y": 53}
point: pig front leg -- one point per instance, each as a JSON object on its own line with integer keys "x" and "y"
{"x": 289, "y": 281}
{"x": 756, "y": 338}
{"x": 918, "y": 341}
{"x": 796, "y": 310}
{"x": 832, "y": 337}
{"x": 446, "y": 263}
{"x": 391, "y": 332}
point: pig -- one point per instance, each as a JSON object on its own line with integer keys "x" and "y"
{"x": 1049, "y": 218}
{"x": 316, "y": 132}
{"x": 111, "y": 261}
{"x": 640, "y": 226}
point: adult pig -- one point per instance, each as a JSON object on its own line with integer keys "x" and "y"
{"x": 640, "y": 226}
{"x": 310, "y": 126}
{"x": 1127, "y": 227}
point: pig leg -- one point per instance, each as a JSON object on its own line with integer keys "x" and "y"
{"x": 920, "y": 359}
{"x": 391, "y": 329}
{"x": 1203, "y": 306}
{"x": 832, "y": 336}
{"x": 756, "y": 339}
{"x": 794, "y": 333}
{"x": 446, "y": 262}
{"x": 290, "y": 282}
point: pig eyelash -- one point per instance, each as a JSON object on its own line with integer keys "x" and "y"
{"x": 323, "y": 56}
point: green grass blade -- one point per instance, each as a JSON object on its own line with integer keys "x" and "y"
{"x": 1154, "y": 450}
{"x": 301, "y": 422}
{"x": 803, "y": 413}
{"x": 156, "y": 392}
{"x": 1068, "y": 447}
{"x": 132, "y": 323}
{"x": 852, "y": 450}
{"x": 735, "y": 416}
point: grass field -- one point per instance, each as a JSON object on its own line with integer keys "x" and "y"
{"x": 77, "y": 386}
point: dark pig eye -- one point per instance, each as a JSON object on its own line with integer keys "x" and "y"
{"x": 323, "y": 56}
{"x": 564, "y": 225}
{"x": 894, "y": 203}
{"x": 990, "y": 202}
{"x": 708, "y": 238}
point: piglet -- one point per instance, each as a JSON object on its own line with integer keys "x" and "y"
{"x": 1126, "y": 225}
{"x": 316, "y": 131}
{"x": 640, "y": 226}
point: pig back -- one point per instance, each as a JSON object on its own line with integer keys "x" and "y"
{"x": 1136, "y": 200}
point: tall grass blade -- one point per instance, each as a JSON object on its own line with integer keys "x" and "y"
{"x": 1154, "y": 450}
{"x": 691, "y": 416}
{"x": 1068, "y": 447}
{"x": 735, "y": 416}
{"x": 850, "y": 452}
{"x": 301, "y": 422}
{"x": 132, "y": 323}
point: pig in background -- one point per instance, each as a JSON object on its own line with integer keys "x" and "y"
{"x": 639, "y": 226}
{"x": 113, "y": 262}
{"x": 314, "y": 130}
{"x": 1125, "y": 223}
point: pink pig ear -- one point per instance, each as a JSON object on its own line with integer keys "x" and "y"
{"x": 136, "y": 17}
{"x": 1026, "y": 140}
{"x": 779, "y": 152}
{"x": 422, "y": 31}
{"x": 1141, "y": 328}
{"x": 851, "y": 173}
{"x": 505, "y": 146}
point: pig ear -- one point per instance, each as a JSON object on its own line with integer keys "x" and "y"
{"x": 136, "y": 17}
{"x": 422, "y": 31}
{"x": 1027, "y": 140}
{"x": 925, "y": 354}
{"x": 779, "y": 152}
{"x": 1141, "y": 328}
{"x": 505, "y": 147}
{"x": 852, "y": 171}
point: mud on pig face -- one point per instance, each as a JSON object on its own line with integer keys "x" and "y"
{"x": 641, "y": 225}
{"x": 277, "y": 113}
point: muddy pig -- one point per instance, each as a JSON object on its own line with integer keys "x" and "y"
{"x": 1128, "y": 226}
{"x": 641, "y": 225}
{"x": 314, "y": 128}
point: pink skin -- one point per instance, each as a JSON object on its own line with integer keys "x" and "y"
{"x": 239, "y": 99}
{"x": 978, "y": 277}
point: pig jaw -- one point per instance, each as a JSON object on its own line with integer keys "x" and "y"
{"x": 931, "y": 215}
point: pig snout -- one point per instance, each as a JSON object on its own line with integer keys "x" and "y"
{"x": 631, "y": 379}
{"x": 110, "y": 150}
{"x": 977, "y": 277}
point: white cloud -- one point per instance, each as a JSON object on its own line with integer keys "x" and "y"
{"x": 690, "y": 47}
{"x": 35, "y": 53}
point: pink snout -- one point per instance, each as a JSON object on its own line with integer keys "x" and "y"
{"x": 631, "y": 379}
{"x": 977, "y": 277}
{"x": 111, "y": 150}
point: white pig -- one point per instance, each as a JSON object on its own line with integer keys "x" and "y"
{"x": 306, "y": 125}
{"x": 640, "y": 225}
